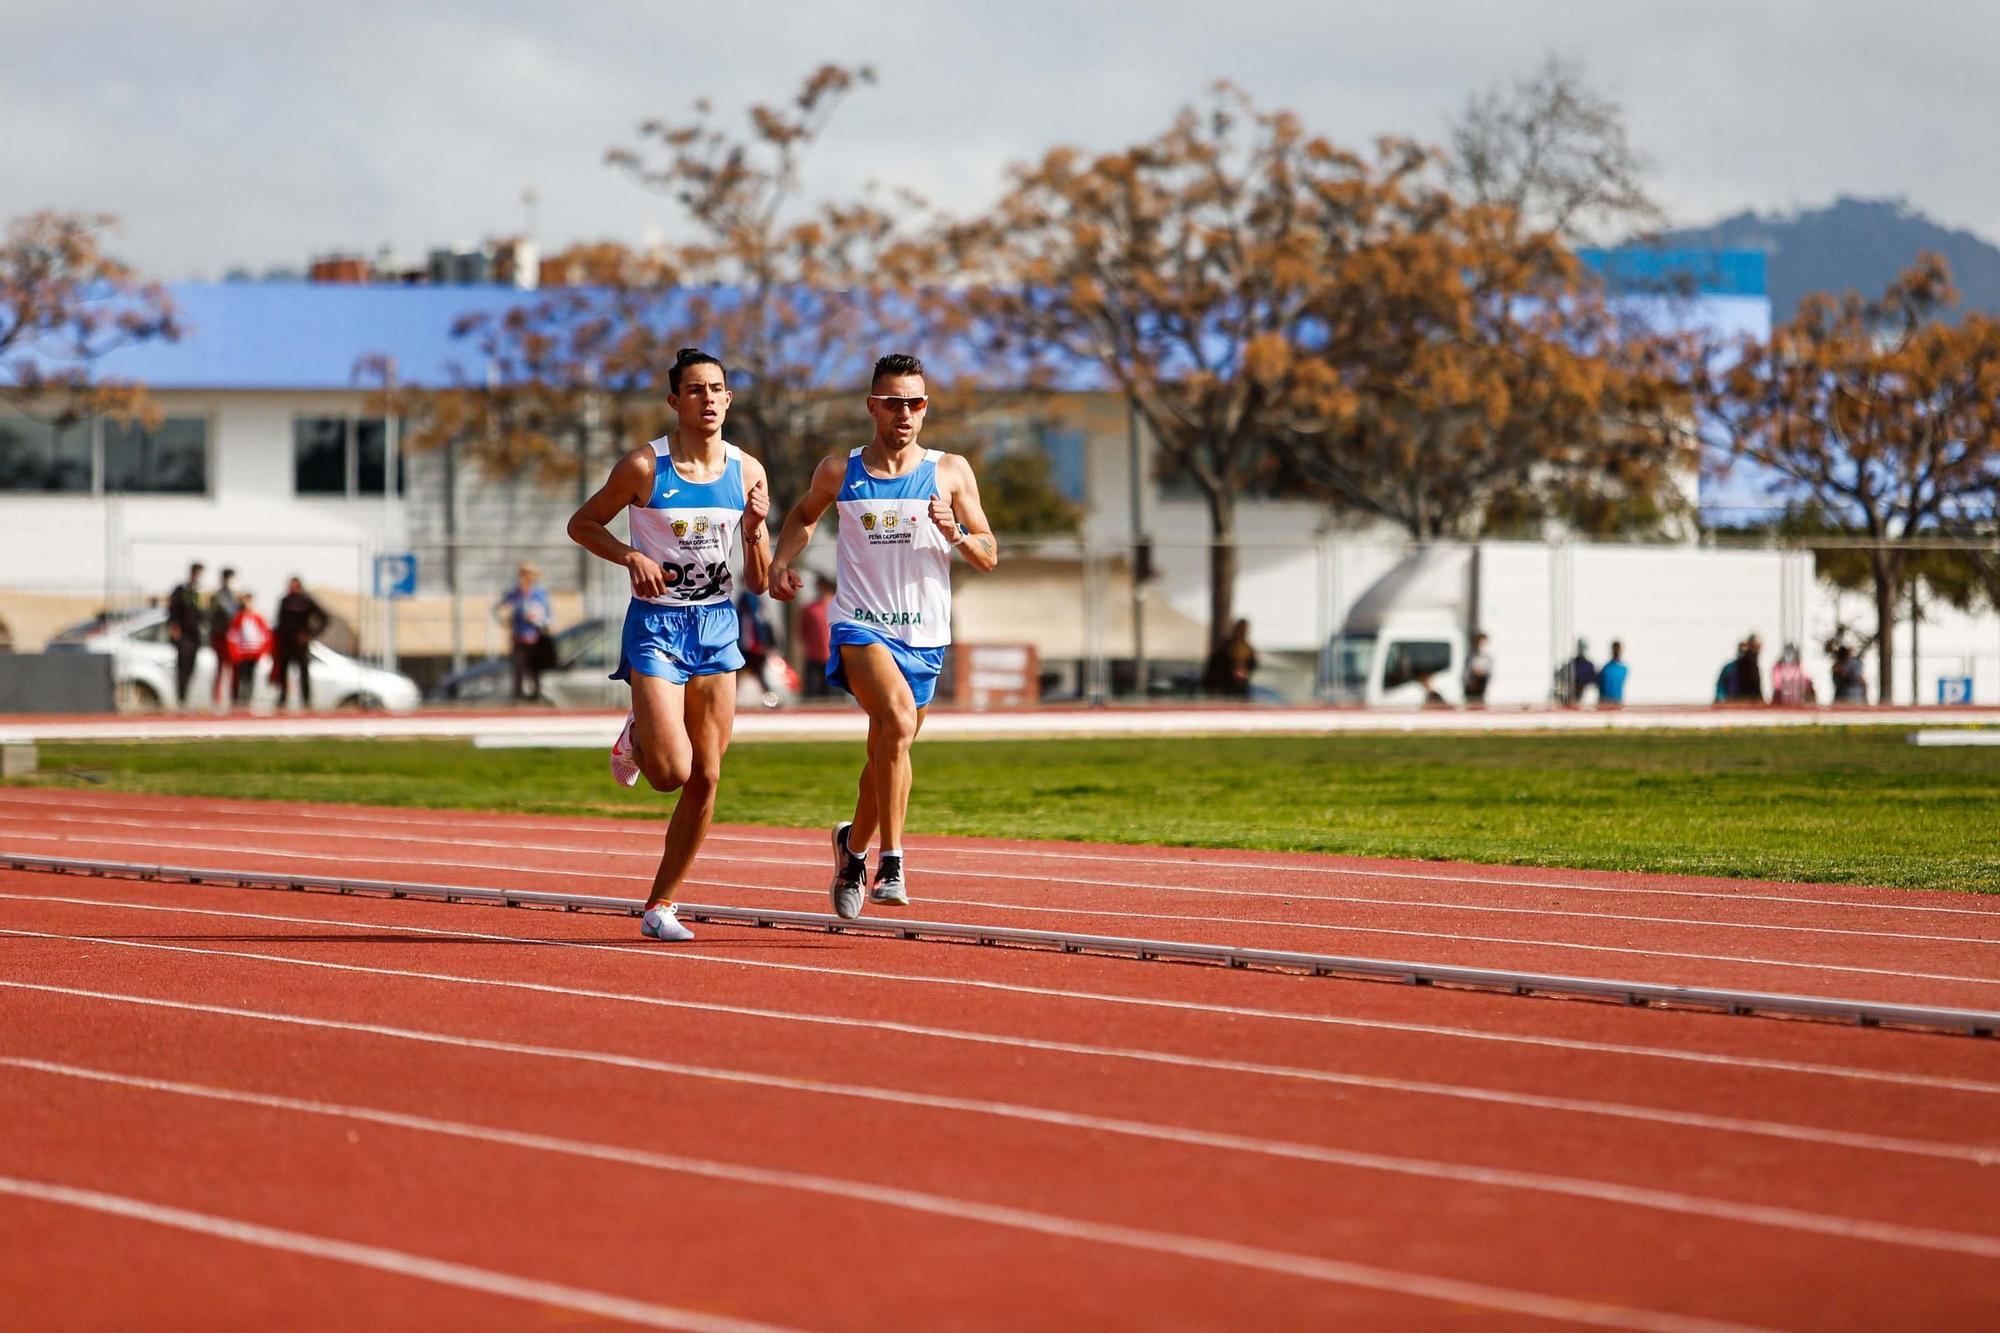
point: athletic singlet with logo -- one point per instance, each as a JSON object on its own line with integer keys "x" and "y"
{"x": 895, "y": 566}
{"x": 688, "y": 525}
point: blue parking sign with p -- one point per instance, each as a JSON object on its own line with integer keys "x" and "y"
{"x": 396, "y": 575}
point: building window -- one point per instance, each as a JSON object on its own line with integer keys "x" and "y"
{"x": 105, "y": 456}
{"x": 171, "y": 459}
{"x": 36, "y": 456}
{"x": 342, "y": 456}
{"x": 1065, "y": 452}
{"x": 319, "y": 455}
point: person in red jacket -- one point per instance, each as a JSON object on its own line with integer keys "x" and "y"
{"x": 249, "y": 642}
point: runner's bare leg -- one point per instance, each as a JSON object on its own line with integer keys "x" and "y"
{"x": 710, "y": 715}
{"x": 659, "y": 731}
{"x": 883, "y": 798}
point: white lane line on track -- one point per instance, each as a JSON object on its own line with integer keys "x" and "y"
{"x": 349, "y": 859}
{"x": 1823, "y": 1138}
{"x": 455, "y": 822}
{"x": 1422, "y": 1285}
{"x": 1595, "y": 1191}
{"x": 598, "y": 1304}
{"x": 653, "y": 953}
{"x": 816, "y": 863}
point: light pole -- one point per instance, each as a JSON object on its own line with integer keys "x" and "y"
{"x": 1141, "y": 550}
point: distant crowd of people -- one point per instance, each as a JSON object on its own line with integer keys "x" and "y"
{"x": 1740, "y": 681}
{"x": 227, "y": 620}
{"x": 527, "y": 612}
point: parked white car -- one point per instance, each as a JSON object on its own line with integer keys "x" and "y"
{"x": 143, "y": 669}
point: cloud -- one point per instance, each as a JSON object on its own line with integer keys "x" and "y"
{"x": 226, "y": 132}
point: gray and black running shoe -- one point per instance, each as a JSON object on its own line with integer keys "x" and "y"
{"x": 888, "y": 889}
{"x": 850, "y": 875}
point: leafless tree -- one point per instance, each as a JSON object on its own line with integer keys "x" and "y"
{"x": 1555, "y": 150}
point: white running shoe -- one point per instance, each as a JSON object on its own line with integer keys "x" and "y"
{"x": 624, "y": 759}
{"x": 661, "y": 924}
{"x": 889, "y": 890}
{"x": 850, "y": 875}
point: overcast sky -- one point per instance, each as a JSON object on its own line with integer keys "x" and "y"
{"x": 259, "y": 134}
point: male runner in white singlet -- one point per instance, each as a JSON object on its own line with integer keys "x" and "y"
{"x": 687, "y": 493}
{"x": 903, "y": 510}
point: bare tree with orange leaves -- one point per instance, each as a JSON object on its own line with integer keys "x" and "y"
{"x": 64, "y": 304}
{"x": 1882, "y": 413}
{"x": 1476, "y": 379}
{"x": 1186, "y": 270}
{"x": 793, "y": 293}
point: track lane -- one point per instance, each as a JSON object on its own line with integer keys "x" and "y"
{"x": 612, "y": 1226}
{"x": 1869, "y": 1115}
{"x": 1451, "y": 1137}
{"x": 1745, "y": 1272}
{"x": 88, "y": 1269}
{"x": 1922, "y": 1091}
{"x": 1623, "y": 950}
{"x": 896, "y": 978}
{"x": 1308, "y": 875}
{"x": 1231, "y": 891}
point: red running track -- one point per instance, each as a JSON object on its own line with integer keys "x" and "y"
{"x": 474, "y": 1117}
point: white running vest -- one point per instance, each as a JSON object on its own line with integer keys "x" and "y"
{"x": 895, "y": 565}
{"x": 688, "y": 526}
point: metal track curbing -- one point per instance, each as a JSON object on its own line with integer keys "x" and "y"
{"x": 1866, "y": 1013}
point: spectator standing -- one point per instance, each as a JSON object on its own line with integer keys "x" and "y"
{"x": 1478, "y": 673}
{"x": 300, "y": 621}
{"x": 816, "y": 638}
{"x": 1230, "y": 666}
{"x": 1575, "y": 676}
{"x": 1725, "y": 679}
{"x": 247, "y": 642}
{"x": 1747, "y": 684}
{"x": 1611, "y": 678}
{"x": 759, "y": 641}
{"x": 187, "y": 626}
{"x": 1791, "y": 687}
{"x": 222, "y": 607}
{"x": 528, "y": 615}
{"x": 1850, "y": 685}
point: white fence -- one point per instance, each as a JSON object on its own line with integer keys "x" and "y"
{"x": 1102, "y": 635}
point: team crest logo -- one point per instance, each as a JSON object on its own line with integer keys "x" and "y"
{"x": 868, "y": 522}
{"x": 680, "y": 526}
{"x": 889, "y": 522}
{"x": 700, "y": 526}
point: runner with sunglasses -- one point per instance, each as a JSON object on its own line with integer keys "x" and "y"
{"x": 903, "y": 510}
{"x": 688, "y": 494}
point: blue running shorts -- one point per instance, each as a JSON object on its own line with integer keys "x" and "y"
{"x": 920, "y": 666}
{"x": 678, "y": 642}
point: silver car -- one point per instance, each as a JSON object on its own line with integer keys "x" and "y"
{"x": 142, "y": 657}
{"x": 585, "y": 653}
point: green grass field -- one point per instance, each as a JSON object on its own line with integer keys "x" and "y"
{"x": 1840, "y": 805}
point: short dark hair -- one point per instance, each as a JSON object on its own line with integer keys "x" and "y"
{"x": 691, "y": 356}
{"x": 896, "y": 363}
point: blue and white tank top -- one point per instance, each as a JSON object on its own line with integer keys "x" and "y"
{"x": 688, "y": 526}
{"x": 895, "y": 566}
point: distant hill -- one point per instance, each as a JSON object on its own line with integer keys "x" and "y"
{"x": 1850, "y": 245}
